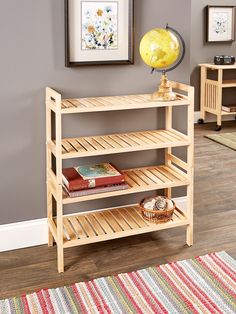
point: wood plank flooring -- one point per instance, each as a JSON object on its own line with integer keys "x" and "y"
{"x": 27, "y": 270}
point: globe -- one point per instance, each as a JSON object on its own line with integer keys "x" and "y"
{"x": 163, "y": 49}
{"x": 160, "y": 48}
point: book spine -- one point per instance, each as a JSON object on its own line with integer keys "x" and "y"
{"x": 98, "y": 190}
{"x": 89, "y": 184}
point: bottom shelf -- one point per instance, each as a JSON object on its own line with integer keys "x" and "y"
{"x": 110, "y": 224}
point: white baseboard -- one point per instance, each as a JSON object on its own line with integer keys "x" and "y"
{"x": 23, "y": 234}
{"x": 34, "y": 232}
{"x": 211, "y": 117}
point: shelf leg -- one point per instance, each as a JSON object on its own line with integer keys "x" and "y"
{"x": 190, "y": 157}
{"x": 49, "y": 167}
{"x": 49, "y": 208}
{"x": 203, "y": 92}
{"x": 219, "y": 120}
{"x": 60, "y": 249}
{"x": 168, "y": 151}
{"x": 189, "y": 235}
{"x": 60, "y": 258}
{"x": 219, "y": 100}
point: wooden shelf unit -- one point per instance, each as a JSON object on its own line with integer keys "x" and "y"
{"x": 107, "y": 224}
{"x": 212, "y": 90}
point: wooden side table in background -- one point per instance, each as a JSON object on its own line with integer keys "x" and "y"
{"x": 211, "y": 92}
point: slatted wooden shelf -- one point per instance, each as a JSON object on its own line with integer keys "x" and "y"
{"x": 107, "y": 224}
{"x": 141, "y": 180}
{"x": 129, "y": 102}
{"x": 119, "y": 143}
{"x": 111, "y": 224}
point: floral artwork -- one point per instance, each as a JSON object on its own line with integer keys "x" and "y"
{"x": 99, "y": 25}
{"x": 220, "y": 24}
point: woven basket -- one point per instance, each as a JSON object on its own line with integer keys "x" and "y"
{"x": 156, "y": 216}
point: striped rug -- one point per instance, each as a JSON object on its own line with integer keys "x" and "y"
{"x": 206, "y": 284}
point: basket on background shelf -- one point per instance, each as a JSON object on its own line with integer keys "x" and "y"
{"x": 163, "y": 214}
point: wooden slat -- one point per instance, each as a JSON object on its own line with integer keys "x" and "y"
{"x": 110, "y": 141}
{"x": 120, "y": 140}
{"x": 112, "y": 222}
{"x": 159, "y": 175}
{"x": 103, "y": 143}
{"x": 85, "y": 144}
{"x": 143, "y": 177}
{"x": 106, "y": 227}
{"x": 94, "y": 143}
{"x": 179, "y": 175}
{"x": 76, "y": 145}
{"x": 86, "y": 226}
{"x": 136, "y": 138}
{"x": 128, "y": 218}
{"x": 130, "y": 181}
{"x": 77, "y": 227}
{"x": 124, "y": 225}
{"x": 98, "y": 229}
{"x": 169, "y": 175}
{"x": 137, "y": 179}
{"x": 139, "y": 220}
{"x": 154, "y": 178}
{"x": 68, "y": 146}
{"x": 77, "y": 103}
{"x": 69, "y": 229}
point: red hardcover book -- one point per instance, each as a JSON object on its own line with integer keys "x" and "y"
{"x": 86, "y": 177}
{"x": 98, "y": 190}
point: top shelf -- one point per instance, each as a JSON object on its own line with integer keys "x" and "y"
{"x": 55, "y": 102}
{"x": 218, "y": 67}
{"x": 130, "y": 102}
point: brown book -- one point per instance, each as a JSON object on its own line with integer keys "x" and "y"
{"x": 97, "y": 190}
{"x": 86, "y": 177}
{"x": 229, "y": 108}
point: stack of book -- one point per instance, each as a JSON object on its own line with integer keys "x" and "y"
{"x": 229, "y": 108}
{"x": 93, "y": 179}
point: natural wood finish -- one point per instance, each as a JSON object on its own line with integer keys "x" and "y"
{"x": 100, "y": 226}
{"x": 103, "y": 225}
{"x": 213, "y": 66}
{"x": 31, "y": 269}
{"x": 141, "y": 180}
{"x": 190, "y": 165}
{"x": 98, "y": 104}
{"x": 211, "y": 91}
{"x": 119, "y": 143}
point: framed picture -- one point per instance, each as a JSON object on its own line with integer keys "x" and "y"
{"x": 220, "y": 23}
{"x": 99, "y": 32}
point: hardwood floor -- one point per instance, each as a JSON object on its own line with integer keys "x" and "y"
{"x": 27, "y": 270}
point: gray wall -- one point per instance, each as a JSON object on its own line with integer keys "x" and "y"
{"x": 32, "y": 57}
{"x": 201, "y": 51}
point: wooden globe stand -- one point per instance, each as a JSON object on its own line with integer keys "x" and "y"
{"x": 164, "y": 92}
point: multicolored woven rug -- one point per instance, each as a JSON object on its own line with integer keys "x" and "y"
{"x": 206, "y": 284}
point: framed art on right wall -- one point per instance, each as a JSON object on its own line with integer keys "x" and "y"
{"x": 220, "y": 23}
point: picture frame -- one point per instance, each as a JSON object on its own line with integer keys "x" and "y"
{"x": 99, "y": 32}
{"x": 220, "y": 23}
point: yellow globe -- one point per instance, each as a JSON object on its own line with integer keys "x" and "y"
{"x": 159, "y": 48}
